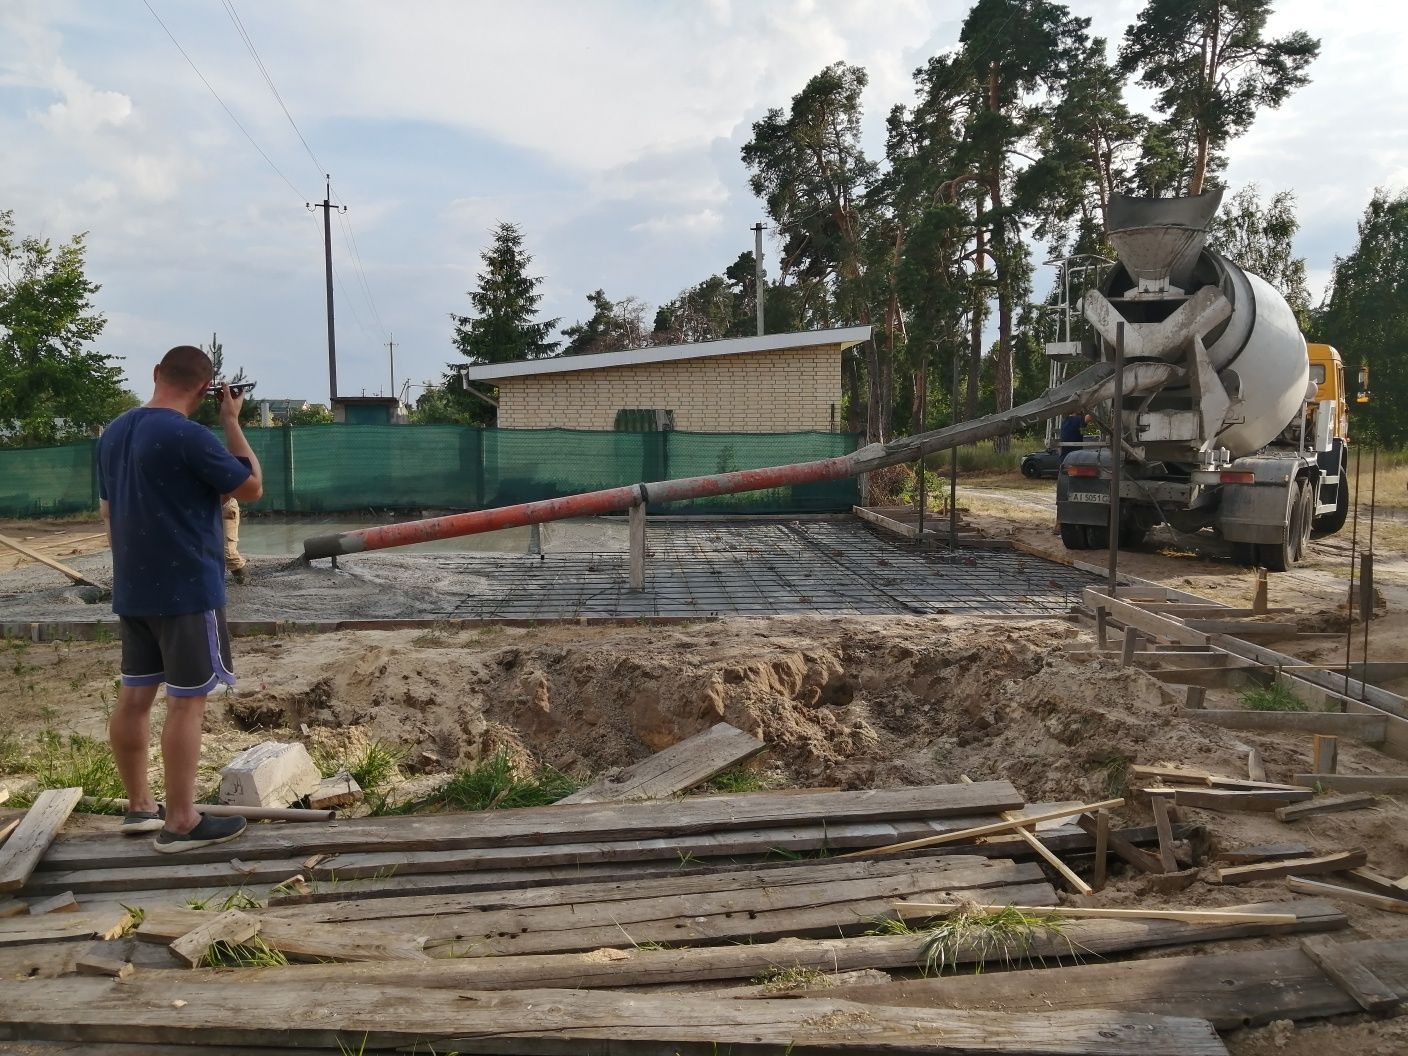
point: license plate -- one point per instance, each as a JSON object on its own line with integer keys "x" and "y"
{"x": 1088, "y": 496}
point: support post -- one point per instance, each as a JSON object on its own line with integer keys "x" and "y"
{"x": 1131, "y": 643}
{"x": 1195, "y": 697}
{"x": 1102, "y": 616}
{"x": 759, "y": 290}
{"x": 637, "y": 531}
{"x": 1102, "y": 848}
{"x": 1366, "y": 587}
{"x": 1324, "y": 754}
{"x": 1259, "y": 598}
{"x": 1116, "y": 457}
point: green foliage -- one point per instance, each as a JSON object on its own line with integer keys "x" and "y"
{"x": 494, "y": 784}
{"x": 505, "y": 328}
{"x": 738, "y": 779}
{"x": 372, "y": 765}
{"x": 780, "y": 980}
{"x": 1006, "y": 935}
{"x": 1260, "y": 237}
{"x": 72, "y": 761}
{"x": 613, "y": 325}
{"x": 54, "y": 387}
{"x": 1275, "y": 697}
{"x": 255, "y": 953}
{"x": 1213, "y": 69}
{"x": 1366, "y": 315}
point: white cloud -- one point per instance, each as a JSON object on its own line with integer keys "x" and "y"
{"x": 83, "y": 109}
{"x": 705, "y": 221}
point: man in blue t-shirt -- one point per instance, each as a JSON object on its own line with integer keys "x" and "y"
{"x": 161, "y": 477}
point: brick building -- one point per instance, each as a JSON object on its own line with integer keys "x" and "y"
{"x": 776, "y": 383}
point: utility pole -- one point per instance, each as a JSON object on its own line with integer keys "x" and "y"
{"x": 758, "y": 230}
{"x": 327, "y": 207}
{"x": 391, "y": 352}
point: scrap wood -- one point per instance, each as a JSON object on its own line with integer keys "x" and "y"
{"x": 44, "y": 559}
{"x": 222, "y": 810}
{"x": 1232, "y": 990}
{"x": 1364, "y": 727}
{"x": 1347, "y": 894}
{"x": 13, "y": 907}
{"x": 1326, "y": 805}
{"x": 1353, "y": 976}
{"x": 232, "y": 927}
{"x": 1260, "y": 800}
{"x": 1355, "y": 782}
{"x": 1135, "y": 856}
{"x": 563, "y": 1022}
{"x": 31, "y": 838}
{"x": 691, "y": 762}
{"x": 107, "y": 958}
{"x": 1379, "y": 884}
{"x": 1328, "y": 863}
{"x": 1203, "y": 777}
{"x": 64, "y": 927}
{"x": 7, "y": 827}
{"x": 986, "y": 830}
{"x": 60, "y": 903}
{"x": 1195, "y": 916}
{"x": 1042, "y": 851}
{"x": 296, "y": 939}
{"x": 1264, "y": 852}
{"x": 1167, "y": 862}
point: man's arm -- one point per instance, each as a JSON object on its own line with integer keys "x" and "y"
{"x": 237, "y": 445}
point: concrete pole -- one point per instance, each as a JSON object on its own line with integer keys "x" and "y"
{"x": 1116, "y": 458}
{"x": 637, "y": 531}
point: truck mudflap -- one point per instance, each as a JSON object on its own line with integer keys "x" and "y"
{"x": 1256, "y": 513}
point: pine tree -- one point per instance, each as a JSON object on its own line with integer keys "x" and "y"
{"x": 505, "y": 328}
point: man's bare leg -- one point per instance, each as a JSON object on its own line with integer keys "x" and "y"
{"x": 129, "y": 732}
{"x": 180, "y": 752}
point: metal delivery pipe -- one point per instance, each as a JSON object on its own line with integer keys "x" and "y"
{"x": 1086, "y": 388}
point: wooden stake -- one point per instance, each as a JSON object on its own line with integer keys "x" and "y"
{"x": 1165, "y": 829}
{"x": 1324, "y": 754}
{"x": 1043, "y": 852}
{"x": 1135, "y": 856}
{"x": 636, "y": 524}
{"x": 1194, "y": 697}
{"x": 1259, "y": 599}
{"x": 1191, "y": 916}
{"x": 1030, "y": 821}
{"x": 1102, "y": 847}
{"x": 1102, "y": 617}
{"x": 1131, "y": 643}
{"x": 57, "y": 566}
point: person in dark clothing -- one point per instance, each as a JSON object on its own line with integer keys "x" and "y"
{"x": 1071, "y": 434}
{"x": 161, "y": 477}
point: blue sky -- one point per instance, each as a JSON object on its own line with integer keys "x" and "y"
{"x": 608, "y": 129}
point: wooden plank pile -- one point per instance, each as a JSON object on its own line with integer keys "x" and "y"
{"x": 610, "y": 926}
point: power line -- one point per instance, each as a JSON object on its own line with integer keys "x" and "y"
{"x": 227, "y": 110}
{"x": 268, "y": 79}
{"x": 351, "y": 239}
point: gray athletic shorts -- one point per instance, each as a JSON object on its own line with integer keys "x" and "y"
{"x": 190, "y": 653}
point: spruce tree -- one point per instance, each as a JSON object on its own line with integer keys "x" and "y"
{"x": 504, "y": 327}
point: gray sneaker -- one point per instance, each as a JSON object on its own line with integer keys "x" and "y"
{"x": 208, "y": 831}
{"x": 138, "y": 822}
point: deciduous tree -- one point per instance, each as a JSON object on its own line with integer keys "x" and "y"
{"x": 1260, "y": 236}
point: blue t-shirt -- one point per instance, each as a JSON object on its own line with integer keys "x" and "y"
{"x": 162, "y": 476}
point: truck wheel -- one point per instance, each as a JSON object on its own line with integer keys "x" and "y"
{"x": 1244, "y": 554}
{"x": 1279, "y": 557}
{"x": 1330, "y": 523}
{"x": 1303, "y": 516}
{"x": 1030, "y": 469}
{"x": 1132, "y": 533}
{"x": 1073, "y": 537}
{"x": 1099, "y": 536}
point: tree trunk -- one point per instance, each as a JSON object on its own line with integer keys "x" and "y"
{"x": 919, "y": 401}
{"x": 979, "y": 315}
{"x": 850, "y": 370}
{"x": 1200, "y": 164}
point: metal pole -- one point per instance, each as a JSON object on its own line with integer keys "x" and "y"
{"x": 953, "y": 466}
{"x": 1353, "y": 553}
{"x": 1366, "y": 567}
{"x": 1116, "y": 457}
{"x": 758, "y": 230}
{"x": 923, "y": 425}
{"x": 391, "y": 354}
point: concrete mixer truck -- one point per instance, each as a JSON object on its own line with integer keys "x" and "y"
{"x": 1247, "y": 436}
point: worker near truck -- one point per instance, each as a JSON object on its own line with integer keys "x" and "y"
{"x": 161, "y": 478}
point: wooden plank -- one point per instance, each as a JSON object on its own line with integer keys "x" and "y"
{"x": 1326, "y": 805}
{"x": 1187, "y": 776}
{"x": 232, "y": 926}
{"x": 1151, "y": 623}
{"x": 1270, "y": 629}
{"x": 567, "y": 1023}
{"x": 624, "y": 966}
{"x": 1324, "y": 754}
{"x": 1366, "y": 728}
{"x": 1378, "y": 883}
{"x": 7, "y": 827}
{"x": 690, "y": 762}
{"x": 1381, "y": 699}
{"x": 577, "y": 823}
{"x": 1231, "y": 990}
{"x": 13, "y": 907}
{"x": 44, "y": 559}
{"x": 1165, "y": 829}
{"x": 1350, "y": 974}
{"x": 1355, "y": 782}
{"x": 1141, "y": 860}
{"x": 64, "y": 902}
{"x": 1042, "y": 851}
{"x": 1346, "y": 894}
{"x": 64, "y": 927}
{"x": 32, "y": 837}
{"x": 1264, "y": 852}
{"x": 985, "y": 830}
{"x": 106, "y": 959}
{"x": 921, "y": 910}
{"x": 1325, "y": 863}
{"x": 1193, "y": 699}
{"x": 296, "y": 939}
{"x": 1258, "y": 800}
{"x": 1205, "y": 677}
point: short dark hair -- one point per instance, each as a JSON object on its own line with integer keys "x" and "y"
{"x": 186, "y": 367}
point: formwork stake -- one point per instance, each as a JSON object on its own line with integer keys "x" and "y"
{"x": 637, "y": 531}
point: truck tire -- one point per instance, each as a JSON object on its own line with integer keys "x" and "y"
{"x": 1244, "y": 554}
{"x": 1279, "y": 557}
{"x": 1302, "y": 517}
{"x": 1132, "y": 534}
{"x": 1330, "y": 523}
{"x": 1099, "y": 536}
{"x": 1030, "y": 469}
{"x": 1073, "y": 537}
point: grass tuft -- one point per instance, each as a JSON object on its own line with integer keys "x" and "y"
{"x": 1275, "y": 697}
{"x": 75, "y": 761}
{"x": 374, "y": 765}
{"x": 494, "y": 784}
{"x": 738, "y": 779}
{"x": 256, "y": 953}
{"x": 979, "y": 936}
{"x": 779, "y": 980}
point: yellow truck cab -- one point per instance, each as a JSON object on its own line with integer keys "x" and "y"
{"x": 1327, "y": 371}
{"x": 1328, "y": 415}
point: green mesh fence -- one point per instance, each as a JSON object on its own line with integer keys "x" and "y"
{"x": 332, "y": 468}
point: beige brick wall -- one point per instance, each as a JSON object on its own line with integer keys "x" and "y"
{"x": 758, "y": 392}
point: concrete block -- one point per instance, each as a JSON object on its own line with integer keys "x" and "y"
{"x": 270, "y": 774}
{"x": 340, "y": 790}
